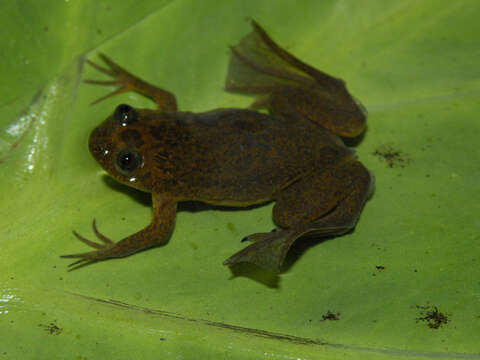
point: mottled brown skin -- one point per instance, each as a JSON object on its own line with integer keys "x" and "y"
{"x": 239, "y": 157}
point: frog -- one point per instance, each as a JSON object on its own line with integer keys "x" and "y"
{"x": 287, "y": 147}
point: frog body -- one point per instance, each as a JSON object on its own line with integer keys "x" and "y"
{"x": 240, "y": 157}
{"x": 222, "y": 157}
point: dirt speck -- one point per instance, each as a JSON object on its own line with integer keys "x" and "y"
{"x": 52, "y": 328}
{"x": 392, "y": 157}
{"x": 432, "y": 316}
{"x": 331, "y": 316}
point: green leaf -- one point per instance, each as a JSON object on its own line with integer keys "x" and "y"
{"x": 411, "y": 262}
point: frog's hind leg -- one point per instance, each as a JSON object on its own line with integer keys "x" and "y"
{"x": 127, "y": 82}
{"x": 327, "y": 204}
{"x": 288, "y": 87}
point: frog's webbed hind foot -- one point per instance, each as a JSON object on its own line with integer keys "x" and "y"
{"x": 126, "y": 81}
{"x": 289, "y": 87}
{"x": 268, "y": 250}
{"x": 260, "y": 66}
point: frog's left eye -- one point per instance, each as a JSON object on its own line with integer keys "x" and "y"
{"x": 125, "y": 114}
{"x": 127, "y": 161}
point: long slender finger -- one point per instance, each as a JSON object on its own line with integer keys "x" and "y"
{"x": 101, "y": 82}
{"x": 81, "y": 261}
{"x": 88, "y": 242}
{"x": 100, "y": 236}
{"x": 114, "y": 66}
{"x": 101, "y": 68}
{"x": 113, "y": 93}
{"x": 90, "y": 255}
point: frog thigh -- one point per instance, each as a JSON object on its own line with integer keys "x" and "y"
{"x": 329, "y": 200}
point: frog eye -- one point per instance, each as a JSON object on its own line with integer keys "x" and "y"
{"x": 125, "y": 114}
{"x": 127, "y": 161}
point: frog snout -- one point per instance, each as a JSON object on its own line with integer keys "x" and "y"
{"x": 98, "y": 144}
{"x": 96, "y": 149}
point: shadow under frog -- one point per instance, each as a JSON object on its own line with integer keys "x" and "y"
{"x": 294, "y": 155}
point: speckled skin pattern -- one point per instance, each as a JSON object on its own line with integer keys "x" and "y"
{"x": 239, "y": 157}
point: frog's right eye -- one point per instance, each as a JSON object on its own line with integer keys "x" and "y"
{"x": 125, "y": 114}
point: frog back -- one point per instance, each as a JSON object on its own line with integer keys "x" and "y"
{"x": 232, "y": 156}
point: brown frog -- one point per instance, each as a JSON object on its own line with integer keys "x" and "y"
{"x": 239, "y": 157}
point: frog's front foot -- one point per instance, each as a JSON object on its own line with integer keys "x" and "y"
{"x": 121, "y": 78}
{"x": 106, "y": 249}
{"x": 126, "y": 81}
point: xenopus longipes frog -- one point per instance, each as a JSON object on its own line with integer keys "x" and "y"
{"x": 293, "y": 155}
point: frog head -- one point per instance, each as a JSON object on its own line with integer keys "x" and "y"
{"x": 119, "y": 145}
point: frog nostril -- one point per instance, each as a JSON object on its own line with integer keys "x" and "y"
{"x": 97, "y": 149}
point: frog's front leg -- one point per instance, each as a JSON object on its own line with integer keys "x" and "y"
{"x": 325, "y": 204}
{"x": 128, "y": 82}
{"x": 157, "y": 233}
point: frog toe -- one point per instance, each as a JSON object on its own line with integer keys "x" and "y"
{"x": 100, "y": 236}
{"x": 111, "y": 71}
{"x": 258, "y": 236}
{"x": 83, "y": 258}
{"x": 122, "y": 79}
{"x": 99, "y": 254}
{"x": 105, "y": 240}
{"x": 88, "y": 242}
{"x": 103, "y": 252}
